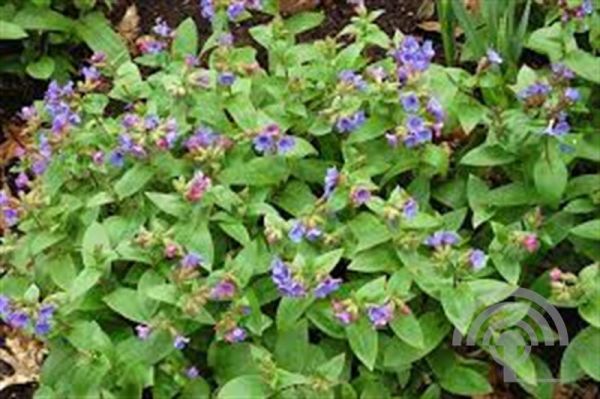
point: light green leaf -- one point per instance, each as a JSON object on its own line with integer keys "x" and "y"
{"x": 550, "y": 175}
{"x": 133, "y": 180}
{"x": 408, "y": 329}
{"x": 589, "y": 230}
{"x": 41, "y": 69}
{"x": 10, "y": 31}
{"x": 186, "y": 39}
{"x": 363, "y": 340}
{"x": 459, "y": 306}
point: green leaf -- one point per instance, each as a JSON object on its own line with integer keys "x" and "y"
{"x": 62, "y": 270}
{"x": 41, "y": 69}
{"x": 133, "y": 180}
{"x": 186, "y": 39}
{"x": 333, "y": 368}
{"x": 95, "y": 243}
{"x": 488, "y": 155}
{"x": 374, "y": 260}
{"x": 264, "y": 171}
{"x": 589, "y": 230}
{"x": 369, "y": 231}
{"x": 84, "y": 282}
{"x": 34, "y": 18}
{"x": 172, "y": 204}
{"x": 408, "y": 329}
{"x": 374, "y": 127}
{"x": 363, "y": 340}
{"x": 10, "y": 31}
{"x": 584, "y": 64}
{"x": 550, "y": 175}
{"x": 508, "y": 267}
{"x": 197, "y": 388}
{"x": 246, "y": 386}
{"x": 290, "y": 310}
{"x": 465, "y": 381}
{"x": 129, "y": 304}
{"x": 303, "y": 21}
{"x": 548, "y": 41}
{"x": 586, "y": 351}
{"x": 459, "y": 306}
{"x": 95, "y": 30}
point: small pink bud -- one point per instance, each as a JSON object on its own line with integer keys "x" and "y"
{"x": 555, "y": 274}
{"x": 530, "y": 242}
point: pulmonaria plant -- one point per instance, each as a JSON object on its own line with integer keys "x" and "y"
{"x": 214, "y": 225}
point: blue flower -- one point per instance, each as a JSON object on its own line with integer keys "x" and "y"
{"x": 285, "y": 144}
{"x": 297, "y": 231}
{"x": 410, "y": 102}
{"x": 380, "y": 315}
{"x": 415, "y": 123}
{"x": 349, "y": 123}
{"x": 234, "y": 10}
{"x": 226, "y": 78}
{"x": 191, "y": 260}
{"x": 477, "y": 259}
{"x": 332, "y": 177}
{"x": 327, "y": 286}
{"x": 493, "y": 57}
{"x": 207, "y": 9}
{"x": 572, "y": 94}
{"x": 180, "y": 342}
{"x": 410, "y": 208}
{"x": 236, "y": 334}
{"x": 441, "y": 239}
{"x": 18, "y": 319}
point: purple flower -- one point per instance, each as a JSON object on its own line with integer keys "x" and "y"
{"x": 285, "y": 144}
{"x": 360, "y": 195}
{"x": 416, "y": 138}
{"x": 191, "y": 61}
{"x": 392, "y": 139}
{"x": 98, "y": 58}
{"x": 191, "y": 260}
{"x": 349, "y": 123}
{"x": 558, "y": 127}
{"x": 477, "y": 259}
{"x": 263, "y": 142}
{"x": 151, "y": 122}
{"x": 226, "y": 39}
{"x": 415, "y": 123}
{"x": 11, "y": 216}
{"x": 344, "y": 311}
{"x": 381, "y": 315}
{"x": 47, "y": 311}
{"x": 283, "y": 279}
{"x": 161, "y": 28}
{"x": 253, "y": 4}
{"x": 143, "y": 331}
{"x": 130, "y": 121}
{"x": 4, "y": 305}
{"x": 91, "y": 74}
{"x": 22, "y": 181}
{"x": 350, "y": 78}
{"x": 207, "y": 9}
{"x": 236, "y": 334}
{"x": 332, "y": 177}
{"x": 493, "y": 57}
{"x": 297, "y": 231}
{"x": 98, "y": 158}
{"x": 151, "y": 46}
{"x": 42, "y": 327}
{"x": 224, "y": 290}
{"x": 410, "y": 208}
{"x": 434, "y": 108}
{"x": 235, "y": 9}
{"x": 410, "y": 102}
{"x": 226, "y": 78}
{"x": 192, "y": 373}
{"x": 537, "y": 89}
{"x": 327, "y": 286}
{"x": 561, "y": 71}
{"x": 413, "y": 57}
{"x": 180, "y": 342}
{"x": 28, "y": 113}
{"x": 18, "y": 319}
{"x": 442, "y": 239}
{"x": 572, "y": 94}
{"x": 313, "y": 234}
{"x": 117, "y": 159}
{"x": 587, "y": 7}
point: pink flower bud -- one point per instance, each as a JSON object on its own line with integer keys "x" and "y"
{"x": 555, "y": 274}
{"x": 530, "y": 242}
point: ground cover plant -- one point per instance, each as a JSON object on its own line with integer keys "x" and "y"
{"x": 196, "y": 223}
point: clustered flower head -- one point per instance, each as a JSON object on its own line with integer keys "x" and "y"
{"x": 332, "y": 179}
{"x": 381, "y": 315}
{"x": 351, "y": 122}
{"x": 327, "y": 286}
{"x": 346, "y": 311}
{"x": 197, "y": 187}
{"x": 57, "y": 102}
{"x": 158, "y": 41}
{"x": 20, "y": 318}
{"x": 10, "y": 210}
{"x": 553, "y": 98}
{"x": 351, "y": 80}
{"x": 205, "y": 143}
{"x": 442, "y": 239}
{"x": 412, "y": 58}
{"x": 477, "y": 259}
{"x": 302, "y": 229}
{"x": 270, "y": 140}
{"x": 287, "y": 284}
{"x": 421, "y": 124}
{"x": 571, "y": 10}
{"x": 234, "y": 8}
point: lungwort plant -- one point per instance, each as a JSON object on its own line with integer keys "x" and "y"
{"x": 313, "y": 226}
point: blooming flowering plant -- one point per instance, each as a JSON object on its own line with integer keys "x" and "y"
{"x": 310, "y": 227}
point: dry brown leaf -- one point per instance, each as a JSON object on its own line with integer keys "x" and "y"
{"x": 295, "y": 6}
{"x": 426, "y": 10}
{"x": 129, "y": 27}
{"x": 24, "y": 354}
